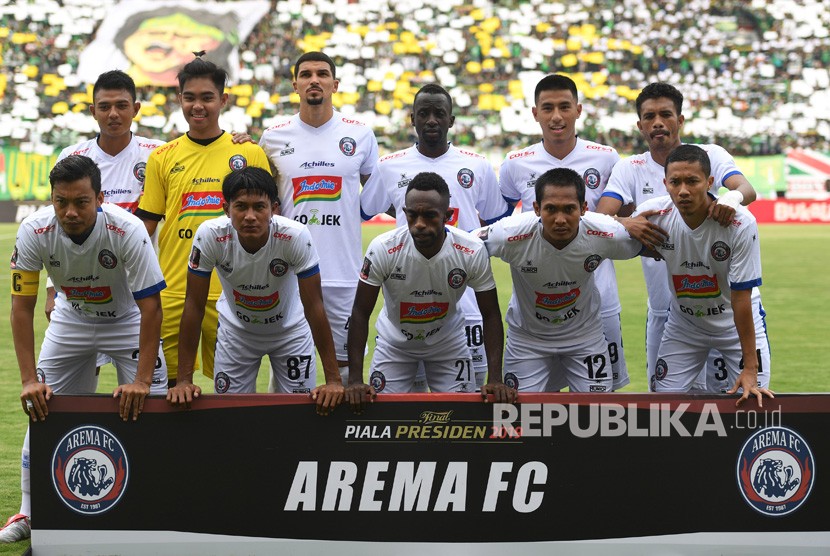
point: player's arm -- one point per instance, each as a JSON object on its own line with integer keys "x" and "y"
{"x": 740, "y": 192}
{"x": 195, "y": 301}
{"x": 50, "y": 299}
{"x": 23, "y": 334}
{"x": 329, "y": 395}
{"x": 649, "y": 234}
{"x": 132, "y": 396}
{"x": 493, "y": 328}
{"x": 748, "y": 379}
{"x": 364, "y": 303}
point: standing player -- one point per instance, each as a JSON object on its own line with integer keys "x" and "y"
{"x": 322, "y": 159}
{"x": 102, "y": 260}
{"x": 556, "y": 109}
{"x": 424, "y": 269}
{"x": 267, "y": 265}
{"x": 712, "y": 270}
{"x": 639, "y": 178}
{"x": 183, "y": 186}
{"x": 555, "y": 333}
{"x": 474, "y": 189}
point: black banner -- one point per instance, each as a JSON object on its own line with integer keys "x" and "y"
{"x": 436, "y": 468}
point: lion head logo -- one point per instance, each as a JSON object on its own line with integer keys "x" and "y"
{"x": 774, "y": 479}
{"x": 88, "y": 478}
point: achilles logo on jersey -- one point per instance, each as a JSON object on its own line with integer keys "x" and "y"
{"x": 237, "y": 162}
{"x": 697, "y": 264}
{"x": 255, "y": 302}
{"x": 465, "y": 178}
{"x": 592, "y": 178}
{"x": 348, "y": 146}
{"x": 424, "y": 293}
{"x": 775, "y": 471}
{"x": 201, "y": 204}
{"x": 278, "y": 267}
{"x": 82, "y": 279}
{"x": 316, "y": 164}
{"x": 90, "y": 470}
{"x": 456, "y": 278}
{"x": 556, "y": 301}
{"x": 421, "y": 313}
{"x": 696, "y": 287}
{"x": 316, "y": 188}
{"x": 720, "y": 251}
{"x": 107, "y": 259}
{"x": 138, "y": 171}
{"x": 591, "y": 263}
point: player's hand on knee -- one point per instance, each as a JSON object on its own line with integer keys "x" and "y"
{"x": 33, "y": 399}
{"x": 328, "y": 396}
{"x": 183, "y": 393}
{"x": 356, "y": 395}
{"x": 500, "y": 391}
{"x": 132, "y": 398}
{"x": 749, "y": 383}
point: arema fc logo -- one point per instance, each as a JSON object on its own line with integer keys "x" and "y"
{"x": 90, "y": 470}
{"x": 776, "y": 471}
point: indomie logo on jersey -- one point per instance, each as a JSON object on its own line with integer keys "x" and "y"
{"x": 201, "y": 204}
{"x": 775, "y": 471}
{"x": 556, "y": 301}
{"x": 88, "y": 294}
{"x": 696, "y": 287}
{"x": 255, "y": 302}
{"x": 316, "y": 188}
{"x": 90, "y": 470}
{"x": 420, "y": 313}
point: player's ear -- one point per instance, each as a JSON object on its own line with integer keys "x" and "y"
{"x": 224, "y": 99}
{"x": 452, "y": 120}
{"x": 537, "y": 209}
{"x": 136, "y": 108}
{"x": 448, "y": 215}
{"x": 584, "y": 208}
{"x": 99, "y": 198}
{"x": 226, "y": 207}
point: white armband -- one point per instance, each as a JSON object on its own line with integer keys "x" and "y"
{"x": 731, "y": 199}
{"x": 49, "y": 283}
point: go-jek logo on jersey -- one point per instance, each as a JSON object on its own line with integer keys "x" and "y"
{"x": 776, "y": 471}
{"x": 696, "y": 287}
{"x": 201, "y": 204}
{"x": 422, "y": 313}
{"x": 316, "y": 188}
{"x": 556, "y": 301}
{"x": 90, "y": 470}
{"x": 255, "y": 302}
{"x": 88, "y": 294}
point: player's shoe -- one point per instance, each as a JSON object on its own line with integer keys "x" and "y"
{"x": 17, "y": 528}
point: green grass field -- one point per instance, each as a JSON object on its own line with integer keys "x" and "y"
{"x": 796, "y": 266}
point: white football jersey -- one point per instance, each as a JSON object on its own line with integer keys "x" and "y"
{"x": 122, "y": 175}
{"x": 554, "y": 294}
{"x": 420, "y": 309}
{"x": 704, "y": 264}
{"x": 100, "y": 279}
{"x": 319, "y": 186}
{"x": 639, "y": 178}
{"x": 260, "y": 293}
{"x": 592, "y": 161}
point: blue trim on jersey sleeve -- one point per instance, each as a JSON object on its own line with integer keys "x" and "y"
{"x": 511, "y": 201}
{"x": 729, "y": 175}
{"x": 612, "y": 195}
{"x": 147, "y": 292}
{"x": 365, "y": 216}
{"x": 201, "y": 273}
{"x": 507, "y": 213}
{"x": 745, "y": 285}
{"x": 310, "y": 272}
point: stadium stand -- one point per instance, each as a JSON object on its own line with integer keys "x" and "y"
{"x": 755, "y": 73}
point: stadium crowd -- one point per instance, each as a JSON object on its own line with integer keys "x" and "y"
{"x": 755, "y": 74}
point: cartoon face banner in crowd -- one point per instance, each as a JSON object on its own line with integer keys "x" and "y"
{"x": 153, "y": 40}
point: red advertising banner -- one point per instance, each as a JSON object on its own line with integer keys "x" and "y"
{"x": 791, "y": 211}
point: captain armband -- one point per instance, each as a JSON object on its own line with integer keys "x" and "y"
{"x": 25, "y": 282}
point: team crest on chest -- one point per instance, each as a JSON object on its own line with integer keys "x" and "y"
{"x": 348, "y": 146}
{"x": 466, "y": 178}
{"x": 592, "y": 262}
{"x": 138, "y": 171}
{"x": 107, "y": 259}
{"x": 592, "y": 178}
{"x": 237, "y": 162}
{"x": 90, "y": 470}
{"x": 456, "y": 278}
{"x": 720, "y": 251}
{"x": 278, "y": 267}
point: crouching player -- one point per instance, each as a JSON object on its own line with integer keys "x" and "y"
{"x": 554, "y": 324}
{"x": 271, "y": 301}
{"x": 102, "y": 262}
{"x": 712, "y": 272}
{"x": 424, "y": 269}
